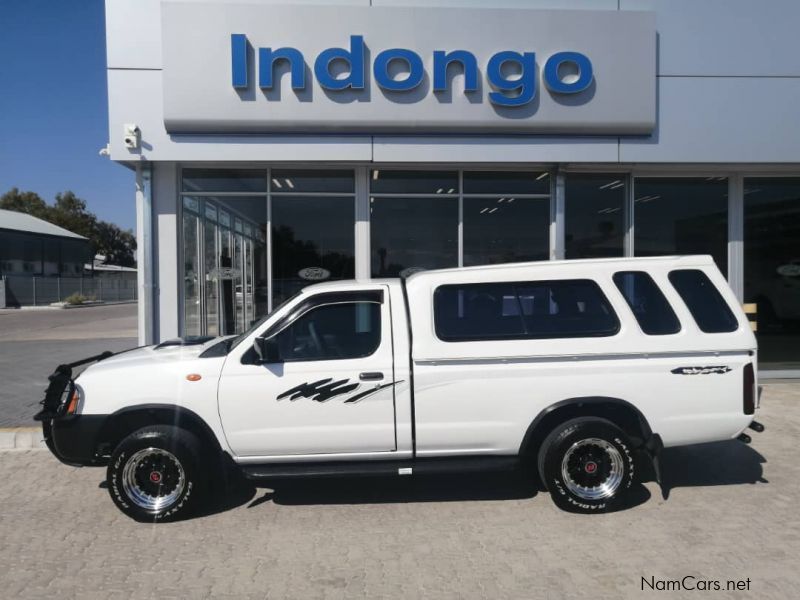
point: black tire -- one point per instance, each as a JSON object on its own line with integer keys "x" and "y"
{"x": 587, "y": 464}
{"x": 155, "y": 474}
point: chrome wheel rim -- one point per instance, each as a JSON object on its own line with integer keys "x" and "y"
{"x": 592, "y": 469}
{"x": 153, "y": 479}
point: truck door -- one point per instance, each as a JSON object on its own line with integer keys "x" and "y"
{"x": 327, "y": 386}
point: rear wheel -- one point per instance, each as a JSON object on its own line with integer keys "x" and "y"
{"x": 587, "y": 464}
{"x": 153, "y": 474}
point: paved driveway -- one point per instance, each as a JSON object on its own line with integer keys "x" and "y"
{"x": 731, "y": 514}
{"x": 34, "y": 342}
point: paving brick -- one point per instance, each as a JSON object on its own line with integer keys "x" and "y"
{"x": 731, "y": 513}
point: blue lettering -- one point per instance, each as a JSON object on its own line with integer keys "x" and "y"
{"x": 515, "y": 86}
{"x": 355, "y": 62}
{"x": 239, "y": 64}
{"x": 469, "y": 66}
{"x": 267, "y": 57}
{"x": 553, "y": 65}
{"x": 415, "y": 70}
{"x": 524, "y": 84}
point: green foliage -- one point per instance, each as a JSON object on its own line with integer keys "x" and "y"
{"x": 77, "y": 298}
{"x": 69, "y": 211}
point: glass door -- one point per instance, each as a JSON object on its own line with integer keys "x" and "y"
{"x": 211, "y": 266}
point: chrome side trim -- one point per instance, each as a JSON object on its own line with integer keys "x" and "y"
{"x": 577, "y": 357}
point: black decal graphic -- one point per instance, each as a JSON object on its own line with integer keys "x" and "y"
{"x": 363, "y": 395}
{"x": 719, "y": 370}
{"x": 325, "y": 389}
{"x": 320, "y": 391}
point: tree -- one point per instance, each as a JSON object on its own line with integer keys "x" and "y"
{"x": 69, "y": 211}
{"x": 118, "y": 245}
{"x": 24, "y": 202}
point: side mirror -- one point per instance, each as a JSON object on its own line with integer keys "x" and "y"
{"x": 267, "y": 350}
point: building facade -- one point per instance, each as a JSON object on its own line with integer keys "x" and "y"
{"x": 277, "y": 145}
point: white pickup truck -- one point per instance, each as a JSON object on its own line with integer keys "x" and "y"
{"x": 567, "y": 370}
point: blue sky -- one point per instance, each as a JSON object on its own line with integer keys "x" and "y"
{"x": 54, "y": 107}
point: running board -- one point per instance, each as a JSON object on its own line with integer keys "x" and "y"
{"x": 429, "y": 466}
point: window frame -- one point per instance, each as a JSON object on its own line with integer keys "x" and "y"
{"x": 691, "y": 310}
{"x": 659, "y": 290}
{"x": 526, "y": 336}
{"x": 320, "y": 300}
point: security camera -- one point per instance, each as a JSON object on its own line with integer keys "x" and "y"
{"x": 132, "y": 136}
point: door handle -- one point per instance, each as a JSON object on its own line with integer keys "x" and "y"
{"x": 371, "y": 376}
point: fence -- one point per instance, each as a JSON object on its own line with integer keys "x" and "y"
{"x": 41, "y": 291}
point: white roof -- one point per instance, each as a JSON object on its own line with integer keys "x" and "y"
{"x": 18, "y": 221}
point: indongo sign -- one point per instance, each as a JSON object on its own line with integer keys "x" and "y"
{"x": 264, "y": 68}
{"x": 510, "y": 89}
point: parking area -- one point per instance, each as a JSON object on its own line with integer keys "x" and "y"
{"x": 34, "y": 341}
{"x": 730, "y": 513}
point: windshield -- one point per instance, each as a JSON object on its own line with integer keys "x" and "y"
{"x": 234, "y": 341}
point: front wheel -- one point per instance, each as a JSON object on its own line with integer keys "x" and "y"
{"x": 587, "y": 464}
{"x": 153, "y": 474}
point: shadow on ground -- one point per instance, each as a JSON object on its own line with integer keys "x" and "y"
{"x": 721, "y": 463}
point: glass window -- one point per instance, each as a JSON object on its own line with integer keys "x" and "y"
{"x": 506, "y": 182}
{"x": 772, "y": 267}
{"x": 297, "y": 181}
{"x": 505, "y": 229}
{"x": 675, "y": 215}
{"x": 522, "y": 310}
{"x": 333, "y": 332}
{"x": 412, "y": 233}
{"x": 313, "y": 239}
{"x": 414, "y": 182}
{"x": 191, "y": 275}
{"x": 710, "y": 311}
{"x": 651, "y": 309}
{"x": 594, "y": 219}
{"x": 224, "y": 180}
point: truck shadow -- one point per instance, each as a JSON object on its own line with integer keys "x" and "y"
{"x": 719, "y": 463}
{"x": 390, "y": 490}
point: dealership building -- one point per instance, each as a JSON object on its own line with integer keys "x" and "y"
{"x": 279, "y": 144}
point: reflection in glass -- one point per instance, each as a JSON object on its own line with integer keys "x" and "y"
{"x": 413, "y": 182}
{"x": 312, "y": 240}
{"x": 228, "y": 251}
{"x": 506, "y": 182}
{"x": 224, "y": 180}
{"x": 505, "y": 229}
{"x": 303, "y": 181}
{"x": 675, "y": 215}
{"x": 191, "y": 274}
{"x": 772, "y": 267}
{"x": 419, "y": 233}
{"x": 594, "y": 219}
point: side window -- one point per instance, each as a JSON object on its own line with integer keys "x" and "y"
{"x": 649, "y": 306}
{"x": 709, "y": 309}
{"x": 522, "y": 310}
{"x": 333, "y": 332}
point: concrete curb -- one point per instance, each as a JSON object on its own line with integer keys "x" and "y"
{"x": 21, "y": 438}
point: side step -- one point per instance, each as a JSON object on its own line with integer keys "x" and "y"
{"x": 381, "y": 467}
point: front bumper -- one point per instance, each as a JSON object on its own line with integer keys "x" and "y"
{"x": 74, "y": 439}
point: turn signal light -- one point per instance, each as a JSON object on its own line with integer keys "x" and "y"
{"x": 193, "y": 377}
{"x": 72, "y": 407}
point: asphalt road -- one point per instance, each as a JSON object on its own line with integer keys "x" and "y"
{"x": 34, "y": 342}
{"x": 730, "y": 515}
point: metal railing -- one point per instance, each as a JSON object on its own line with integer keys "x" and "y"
{"x": 42, "y": 291}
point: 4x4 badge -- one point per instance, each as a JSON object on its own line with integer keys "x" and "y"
{"x": 719, "y": 370}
